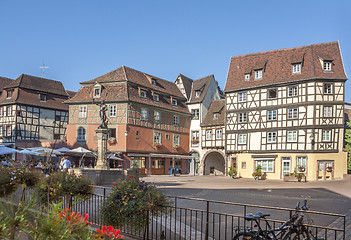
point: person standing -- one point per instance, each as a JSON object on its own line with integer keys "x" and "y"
{"x": 65, "y": 164}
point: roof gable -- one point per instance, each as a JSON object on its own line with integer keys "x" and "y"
{"x": 277, "y": 66}
{"x": 215, "y": 107}
{"x": 202, "y": 86}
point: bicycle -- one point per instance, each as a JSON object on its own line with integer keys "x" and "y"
{"x": 293, "y": 228}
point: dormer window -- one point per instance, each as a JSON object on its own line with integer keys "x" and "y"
{"x": 258, "y": 74}
{"x": 197, "y": 94}
{"x": 97, "y": 90}
{"x": 296, "y": 68}
{"x": 247, "y": 77}
{"x": 215, "y": 116}
{"x": 327, "y": 66}
{"x": 42, "y": 97}
{"x": 174, "y": 102}
{"x": 156, "y": 97}
{"x": 142, "y": 93}
{"x": 9, "y": 94}
{"x": 153, "y": 82}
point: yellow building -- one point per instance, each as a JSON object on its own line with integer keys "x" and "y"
{"x": 284, "y": 112}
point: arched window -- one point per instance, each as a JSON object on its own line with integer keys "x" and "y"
{"x": 81, "y": 134}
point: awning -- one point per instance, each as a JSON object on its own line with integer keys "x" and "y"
{"x": 7, "y": 150}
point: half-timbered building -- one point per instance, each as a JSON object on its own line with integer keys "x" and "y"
{"x": 213, "y": 140}
{"x": 148, "y": 119}
{"x": 32, "y": 112}
{"x": 284, "y": 112}
{"x": 200, "y": 93}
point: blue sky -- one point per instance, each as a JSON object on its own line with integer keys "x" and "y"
{"x": 81, "y": 40}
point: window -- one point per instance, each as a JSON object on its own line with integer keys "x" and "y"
{"x": 242, "y": 97}
{"x": 153, "y": 82}
{"x": 195, "y": 136}
{"x": 176, "y": 120}
{"x": 242, "y": 138}
{"x": 56, "y": 136}
{"x": 157, "y": 137}
{"x": 9, "y": 111}
{"x": 176, "y": 140}
{"x": 9, "y": 94}
{"x": 144, "y": 114}
{"x": 156, "y": 97}
{"x": 8, "y": 131}
{"x": 112, "y": 110}
{"x": 328, "y": 88}
{"x": 243, "y": 165}
{"x": 292, "y": 91}
{"x": 112, "y": 133}
{"x": 81, "y": 134}
{"x": 1, "y": 130}
{"x": 82, "y": 112}
{"x": 301, "y": 164}
{"x": 42, "y": 97}
{"x": 197, "y": 93}
{"x": 272, "y": 137}
{"x": 167, "y": 136}
{"x": 266, "y": 165}
{"x": 292, "y": 113}
{"x": 1, "y": 111}
{"x": 326, "y": 135}
{"x": 242, "y": 117}
{"x": 258, "y": 74}
{"x": 272, "y": 93}
{"x": 292, "y": 136}
{"x": 272, "y": 115}
{"x": 157, "y": 116}
{"x": 195, "y": 114}
{"x": 96, "y": 92}
{"x": 208, "y": 134}
{"x": 142, "y": 93}
{"x": 327, "y": 66}
{"x": 219, "y": 134}
{"x": 215, "y": 116}
{"x": 327, "y": 111}
{"x": 174, "y": 102}
{"x": 297, "y": 68}
{"x": 247, "y": 77}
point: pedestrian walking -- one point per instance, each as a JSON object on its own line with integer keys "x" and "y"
{"x": 65, "y": 164}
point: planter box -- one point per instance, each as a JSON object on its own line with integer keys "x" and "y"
{"x": 293, "y": 179}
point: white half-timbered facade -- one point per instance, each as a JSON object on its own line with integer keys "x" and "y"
{"x": 285, "y": 109}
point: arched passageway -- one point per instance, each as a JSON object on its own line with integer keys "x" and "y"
{"x": 214, "y": 164}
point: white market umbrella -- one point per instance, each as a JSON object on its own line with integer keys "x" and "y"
{"x": 63, "y": 149}
{"x": 6, "y": 150}
{"x": 28, "y": 152}
{"x": 113, "y": 157}
{"x": 45, "y": 151}
{"x": 80, "y": 151}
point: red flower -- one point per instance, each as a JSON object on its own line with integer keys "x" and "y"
{"x": 109, "y": 231}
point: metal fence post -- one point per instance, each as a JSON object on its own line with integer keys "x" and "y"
{"x": 207, "y": 219}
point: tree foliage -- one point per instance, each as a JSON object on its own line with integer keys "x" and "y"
{"x": 348, "y": 144}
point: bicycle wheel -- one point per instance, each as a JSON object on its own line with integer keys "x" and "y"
{"x": 244, "y": 236}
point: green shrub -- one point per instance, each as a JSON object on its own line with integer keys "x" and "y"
{"x": 232, "y": 172}
{"x": 131, "y": 202}
{"x": 8, "y": 182}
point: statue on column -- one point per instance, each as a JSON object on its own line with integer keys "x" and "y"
{"x": 102, "y": 113}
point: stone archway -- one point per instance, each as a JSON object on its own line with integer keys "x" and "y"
{"x": 214, "y": 163}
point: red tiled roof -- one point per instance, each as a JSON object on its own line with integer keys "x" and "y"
{"x": 187, "y": 83}
{"x": 217, "y": 106}
{"x": 123, "y": 73}
{"x": 277, "y": 66}
{"x": 200, "y": 84}
{"x": 4, "y": 81}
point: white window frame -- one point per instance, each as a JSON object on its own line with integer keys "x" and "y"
{"x": 301, "y": 161}
{"x": 9, "y": 111}
{"x": 215, "y": 116}
{"x": 83, "y": 109}
{"x": 99, "y": 92}
{"x": 9, "y": 131}
{"x": 1, "y": 131}
{"x": 176, "y": 140}
{"x": 156, "y": 97}
{"x": 142, "y": 93}
{"x": 291, "y": 136}
{"x": 293, "y": 91}
{"x": 258, "y": 74}
{"x": 293, "y": 113}
{"x": 327, "y": 111}
{"x": 174, "y": 102}
{"x": 158, "y": 137}
{"x": 197, "y": 93}
{"x": 296, "y": 68}
{"x": 144, "y": 114}
{"x": 195, "y": 113}
{"x": 242, "y": 97}
{"x": 247, "y": 77}
{"x": 271, "y": 137}
{"x": 242, "y": 117}
{"x": 153, "y": 82}
{"x": 157, "y": 116}
{"x": 195, "y": 135}
{"x": 176, "y": 120}
{"x": 242, "y": 138}
{"x": 208, "y": 134}
{"x": 219, "y": 134}
{"x": 112, "y": 110}
{"x": 326, "y": 135}
{"x": 267, "y": 165}
{"x": 272, "y": 115}
{"x": 1, "y": 111}
{"x": 81, "y": 134}
{"x": 327, "y": 66}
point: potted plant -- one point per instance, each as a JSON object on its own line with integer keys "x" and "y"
{"x": 232, "y": 172}
{"x": 112, "y": 140}
{"x": 195, "y": 141}
{"x": 157, "y": 146}
{"x": 329, "y": 169}
{"x": 257, "y": 173}
{"x": 176, "y": 147}
{"x": 301, "y": 169}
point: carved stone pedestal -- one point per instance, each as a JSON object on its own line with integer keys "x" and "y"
{"x": 102, "y": 135}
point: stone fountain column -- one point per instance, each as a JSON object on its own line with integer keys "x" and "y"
{"x": 102, "y": 135}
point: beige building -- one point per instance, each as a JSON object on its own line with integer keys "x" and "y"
{"x": 284, "y": 112}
